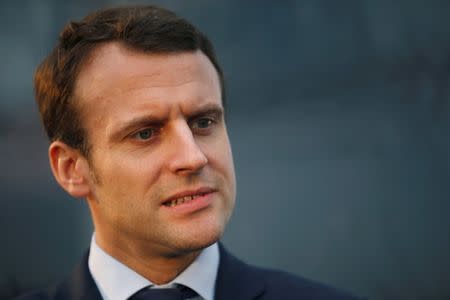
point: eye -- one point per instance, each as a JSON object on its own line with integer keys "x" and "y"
{"x": 202, "y": 123}
{"x": 144, "y": 134}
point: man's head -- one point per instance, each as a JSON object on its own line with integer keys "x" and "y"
{"x": 132, "y": 101}
{"x": 147, "y": 29}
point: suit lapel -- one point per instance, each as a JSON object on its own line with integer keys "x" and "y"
{"x": 80, "y": 285}
{"x": 237, "y": 280}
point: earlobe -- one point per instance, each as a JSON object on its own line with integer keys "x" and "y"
{"x": 70, "y": 169}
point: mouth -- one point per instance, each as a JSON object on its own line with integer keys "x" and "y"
{"x": 188, "y": 197}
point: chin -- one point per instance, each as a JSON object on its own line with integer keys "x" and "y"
{"x": 200, "y": 239}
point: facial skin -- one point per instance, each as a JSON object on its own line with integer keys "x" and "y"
{"x": 156, "y": 129}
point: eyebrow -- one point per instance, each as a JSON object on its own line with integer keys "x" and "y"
{"x": 135, "y": 123}
{"x": 212, "y": 109}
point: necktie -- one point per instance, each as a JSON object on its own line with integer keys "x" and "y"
{"x": 179, "y": 293}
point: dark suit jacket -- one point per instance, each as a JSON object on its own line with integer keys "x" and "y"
{"x": 235, "y": 281}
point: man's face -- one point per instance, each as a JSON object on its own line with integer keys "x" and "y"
{"x": 161, "y": 164}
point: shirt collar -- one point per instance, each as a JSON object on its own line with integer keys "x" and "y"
{"x": 201, "y": 274}
{"x": 116, "y": 281}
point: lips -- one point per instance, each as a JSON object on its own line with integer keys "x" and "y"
{"x": 187, "y": 196}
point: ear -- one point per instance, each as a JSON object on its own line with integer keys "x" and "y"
{"x": 70, "y": 168}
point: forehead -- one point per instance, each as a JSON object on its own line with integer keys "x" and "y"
{"x": 113, "y": 69}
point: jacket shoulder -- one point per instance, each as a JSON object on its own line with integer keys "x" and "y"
{"x": 254, "y": 282}
{"x": 35, "y": 295}
{"x": 79, "y": 285}
{"x": 280, "y": 283}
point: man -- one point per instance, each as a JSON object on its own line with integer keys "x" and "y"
{"x": 132, "y": 101}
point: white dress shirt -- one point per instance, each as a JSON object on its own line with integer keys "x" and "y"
{"x": 116, "y": 281}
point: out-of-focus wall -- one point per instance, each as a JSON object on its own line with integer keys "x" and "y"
{"x": 339, "y": 120}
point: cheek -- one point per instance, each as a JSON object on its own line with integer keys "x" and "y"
{"x": 125, "y": 177}
{"x": 129, "y": 167}
{"x": 221, "y": 160}
{"x": 227, "y": 158}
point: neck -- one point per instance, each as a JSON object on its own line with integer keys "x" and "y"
{"x": 158, "y": 266}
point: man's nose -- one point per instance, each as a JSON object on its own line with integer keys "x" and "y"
{"x": 187, "y": 156}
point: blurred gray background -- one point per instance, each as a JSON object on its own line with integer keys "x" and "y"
{"x": 339, "y": 120}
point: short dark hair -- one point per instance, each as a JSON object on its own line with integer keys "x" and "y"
{"x": 149, "y": 29}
